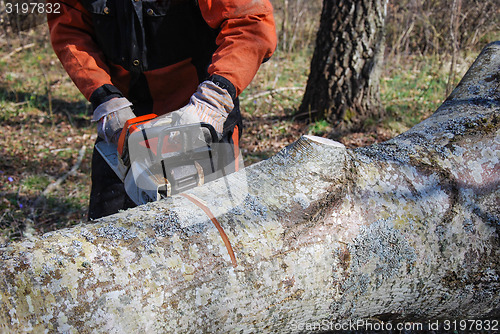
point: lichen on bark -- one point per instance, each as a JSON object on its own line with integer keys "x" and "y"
{"x": 406, "y": 229}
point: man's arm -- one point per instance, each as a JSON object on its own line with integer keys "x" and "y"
{"x": 247, "y": 37}
{"x": 71, "y": 36}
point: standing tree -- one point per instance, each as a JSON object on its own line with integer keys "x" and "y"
{"x": 343, "y": 86}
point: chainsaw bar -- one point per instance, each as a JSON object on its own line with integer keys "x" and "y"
{"x": 110, "y": 155}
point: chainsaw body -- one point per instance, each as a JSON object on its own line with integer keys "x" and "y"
{"x": 158, "y": 161}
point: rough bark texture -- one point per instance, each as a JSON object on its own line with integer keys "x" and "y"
{"x": 343, "y": 84}
{"x": 406, "y": 229}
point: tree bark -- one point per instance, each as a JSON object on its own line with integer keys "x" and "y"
{"x": 403, "y": 230}
{"x": 343, "y": 85}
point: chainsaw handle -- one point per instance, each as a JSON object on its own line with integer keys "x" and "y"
{"x": 211, "y": 129}
{"x": 183, "y": 129}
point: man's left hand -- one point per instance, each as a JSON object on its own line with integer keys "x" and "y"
{"x": 209, "y": 104}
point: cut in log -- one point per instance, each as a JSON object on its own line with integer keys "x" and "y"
{"x": 407, "y": 229}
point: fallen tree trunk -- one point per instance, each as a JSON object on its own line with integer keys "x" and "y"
{"x": 403, "y": 230}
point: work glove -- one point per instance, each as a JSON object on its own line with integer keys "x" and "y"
{"x": 209, "y": 104}
{"x": 111, "y": 117}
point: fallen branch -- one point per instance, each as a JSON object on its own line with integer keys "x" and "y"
{"x": 29, "y": 231}
{"x": 16, "y": 50}
{"x": 270, "y": 91}
{"x": 403, "y": 230}
{"x": 71, "y": 172}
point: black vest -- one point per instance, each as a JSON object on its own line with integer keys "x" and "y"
{"x": 144, "y": 35}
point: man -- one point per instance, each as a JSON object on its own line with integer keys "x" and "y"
{"x": 188, "y": 58}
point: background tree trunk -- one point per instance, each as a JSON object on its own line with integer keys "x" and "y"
{"x": 403, "y": 230}
{"x": 343, "y": 85}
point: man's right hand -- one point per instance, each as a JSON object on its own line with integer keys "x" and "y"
{"x": 111, "y": 117}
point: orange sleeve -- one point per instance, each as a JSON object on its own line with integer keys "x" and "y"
{"x": 71, "y": 36}
{"x": 247, "y": 37}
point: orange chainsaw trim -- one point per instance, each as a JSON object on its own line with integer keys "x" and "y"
{"x": 131, "y": 127}
{"x": 152, "y": 144}
{"x": 236, "y": 139}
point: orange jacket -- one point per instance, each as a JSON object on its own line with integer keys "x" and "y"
{"x": 160, "y": 50}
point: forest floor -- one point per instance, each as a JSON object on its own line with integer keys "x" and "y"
{"x": 47, "y": 136}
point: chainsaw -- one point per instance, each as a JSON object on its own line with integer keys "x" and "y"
{"x": 155, "y": 161}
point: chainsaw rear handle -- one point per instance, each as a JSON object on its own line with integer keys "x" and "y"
{"x": 159, "y": 132}
{"x": 163, "y": 133}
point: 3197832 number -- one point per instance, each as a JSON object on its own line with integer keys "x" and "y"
{"x": 471, "y": 325}
{"x": 33, "y": 8}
